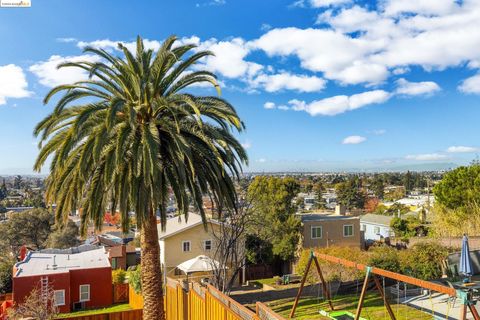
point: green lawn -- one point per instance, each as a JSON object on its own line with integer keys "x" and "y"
{"x": 114, "y": 308}
{"x": 373, "y": 308}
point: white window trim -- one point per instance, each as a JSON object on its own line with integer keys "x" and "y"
{"x": 189, "y": 246}
{"x": 80, "y": 291}
{"x": 55, "y": 298}
{"x": 379, "y": 230}
{"x": 316, "y": 227}
{"x": 205, "y": 245}
{"x": 353, "y": 231}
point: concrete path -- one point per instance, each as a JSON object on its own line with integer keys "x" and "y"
{"x": 441, "y": 305}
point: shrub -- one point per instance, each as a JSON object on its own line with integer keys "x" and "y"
{"x": 135, "y": 279}
{"x": 384, "y": 257}
{"x": 331, "y": 271}
{"x": 423, "y": 260}
{"x": 118, "y": 276}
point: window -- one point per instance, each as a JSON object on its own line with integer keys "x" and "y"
{"x": 186, "y": 246}
{"x": 363, "y": 227}
{"x": 207, "y": 245}
{"x": 317, "y": 232}
{"x": 84, "y": 292}
{"x": 59, "y": 297}
{"x": 376, "y": 230}
{"x": 348, "y": 230}
{"x": 114, "y": 263}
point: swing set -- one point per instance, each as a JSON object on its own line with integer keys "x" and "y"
{"x": 375, "y": 274}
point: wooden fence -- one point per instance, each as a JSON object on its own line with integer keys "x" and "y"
{"x": 196, "y": 303}
{"x": 199, "y": 303}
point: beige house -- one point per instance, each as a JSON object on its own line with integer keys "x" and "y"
{"x": 184, "y": 240}
{"x": 327, "y": 229}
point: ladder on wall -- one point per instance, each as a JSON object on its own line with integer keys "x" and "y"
{"x": 44, "y": 289}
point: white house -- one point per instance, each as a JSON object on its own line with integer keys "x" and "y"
{"x": 376, "y": 227}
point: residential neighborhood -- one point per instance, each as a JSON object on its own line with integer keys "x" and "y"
{"x": 239, "y": 160}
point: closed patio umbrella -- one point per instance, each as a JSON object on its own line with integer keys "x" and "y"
{"x": 465, "y": 263}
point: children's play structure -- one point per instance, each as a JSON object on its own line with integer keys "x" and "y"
{"x": 464, "y": 295}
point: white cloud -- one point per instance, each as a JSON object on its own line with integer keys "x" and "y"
{"x": 211, "y": 3}
{"x": 67, "y": 40}
{"x": 285, "y": 80}
{"x": 262, "y": 160}
{"x": 461, "y": 149}
{"x": 400, "y": 70}
{"x": 49, "y": 75}
{"x": 340, "y": 104}
{"x": 111, "y": 45}
{"x": 361, "y": 45}
{"x": 13, "y": 83}
{"x": 247, "y": 145}
{"x": 471, "y": 85}
{"x": 265, "y": 27}
{"x": 379, "y": 132}
{"x": 269, "y": 105}
{"x": 405, "y": 87}
{"x": 426, "y": 157}
{"x": 326, "y": 3}
{"x": 229, "y": 59}
{"x": 353, "y": 140}
{"x": 338, "y": 56}
{"x": 425, "y": 7}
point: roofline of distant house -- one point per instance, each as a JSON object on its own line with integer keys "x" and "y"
{"x": 188, "y": 227}
{"x": 375, "y": 223}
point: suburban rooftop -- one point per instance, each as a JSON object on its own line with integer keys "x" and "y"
{"x": 317, "y": 216}
{"x": 45, "y": 263}
{"x": 376, "y": 219}
{"x": 177, "y": 224}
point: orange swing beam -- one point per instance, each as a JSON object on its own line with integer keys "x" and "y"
{"x": 392, "y": 275}
{"x": 407, "y": 279}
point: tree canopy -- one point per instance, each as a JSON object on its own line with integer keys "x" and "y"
{"x": 459, "y": 188}
{"x": 350, "y": 195}
{"x": 273, "y": 211}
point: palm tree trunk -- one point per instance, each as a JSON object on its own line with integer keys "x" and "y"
{"x": 152, "y": 292}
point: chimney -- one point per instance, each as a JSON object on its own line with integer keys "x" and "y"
{"x": 340, "y": 210}
{"x": 23, "y": 252}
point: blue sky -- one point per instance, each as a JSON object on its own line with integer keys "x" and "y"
{"x": 320, "y": 84}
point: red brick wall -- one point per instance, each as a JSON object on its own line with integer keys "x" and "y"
{"x": 100, "y": 281}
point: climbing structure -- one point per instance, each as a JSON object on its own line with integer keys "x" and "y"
{"x": 373, "y": 272}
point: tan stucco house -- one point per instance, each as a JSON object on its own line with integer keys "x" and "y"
{"x": 184, "y": 240}
{"x": 326, "y": 229}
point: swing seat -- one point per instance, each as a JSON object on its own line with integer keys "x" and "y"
{"x": 339, "y": 315}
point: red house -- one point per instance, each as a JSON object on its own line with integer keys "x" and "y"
{"x": 80, "y": 278}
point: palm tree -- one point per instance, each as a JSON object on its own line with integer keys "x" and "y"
{"x": 129, "y": 134}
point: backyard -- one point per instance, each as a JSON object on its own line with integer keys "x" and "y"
{"x": 373, "y": 308}
{"x": 114, "y": 308}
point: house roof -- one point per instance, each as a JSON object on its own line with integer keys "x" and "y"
{"x": 376, "y": 219}
{"x": 47, "y": 263}
{"x": 178, "y": 224}
{"x": 324, "y": 216}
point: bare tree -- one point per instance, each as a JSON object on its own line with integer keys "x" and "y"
{"x": 37, "y": 306}
{"x": 229, "y": 245}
